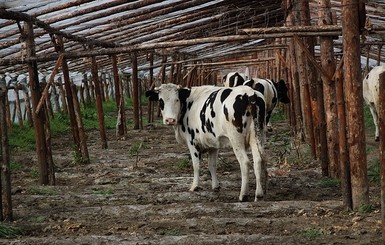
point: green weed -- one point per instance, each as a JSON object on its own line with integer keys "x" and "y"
{"x": 374, "y": 172}
{"x": 312, "y": 233}
{"x": 10, "y": 231}
{"x": 329, "y": 183}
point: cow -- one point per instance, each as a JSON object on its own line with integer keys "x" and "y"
{"x": 234, "y": 79}
{"x": 370, "y": 89}
{"x": 208, "y": 118}
{"x": 272, "y": 91}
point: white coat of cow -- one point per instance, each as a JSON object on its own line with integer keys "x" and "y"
{"x": 208, "y": 118}
{"x": 371, "y": 95}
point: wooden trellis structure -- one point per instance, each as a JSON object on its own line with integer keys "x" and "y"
{"x": 280, "y": 43}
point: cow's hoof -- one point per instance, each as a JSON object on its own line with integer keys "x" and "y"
{"x": 196, "y": 188}
{"x": 270, "y": 130}
{"x": 259, "y": 197}
{"x": 217, "y": 188}
{"x": 244, "y": 199}
{"x": 377, "y": 139}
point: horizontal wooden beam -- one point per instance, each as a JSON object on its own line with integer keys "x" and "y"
{"x": 232, "y": 62}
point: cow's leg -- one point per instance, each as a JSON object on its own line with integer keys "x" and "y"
{"x": 240, "y": 153}
{"x": 195, "y": 156}
{"x": 212, "y": 162}
{"x": 269, "y": 127}
{"x": 259, "y": 166}
{"x": 375, "y": 121}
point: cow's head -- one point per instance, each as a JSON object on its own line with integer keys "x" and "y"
{"x": 282, "y": 91}
{"x": 171, "y": 99}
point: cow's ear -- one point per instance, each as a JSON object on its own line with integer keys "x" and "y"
{"x": 152, "y": 95}
{"x": 184, "y": 93}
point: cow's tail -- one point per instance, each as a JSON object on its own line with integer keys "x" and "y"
{"x": 258, "y": 108}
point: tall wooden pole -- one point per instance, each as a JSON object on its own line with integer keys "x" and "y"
{"x": 38, "y": 118}
{"x": 354, "y": 99}
{"x": 329, "y": 89}
{"x": 119, "y": 98}
{"x": 381, "y": 116}
{"x": 346, "y": 185}
{"x": 135, "y": 89}
{"x": 99, "y": 103}
{"x": 5, "y": 178}
{"x": 69, "y": 100}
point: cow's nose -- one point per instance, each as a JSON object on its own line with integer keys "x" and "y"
{"x": 170, "y": 121}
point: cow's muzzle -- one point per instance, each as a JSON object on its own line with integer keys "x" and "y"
{"x": 170, "y": 121}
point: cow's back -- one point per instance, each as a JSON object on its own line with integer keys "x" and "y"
{"x": 214, "y": 112}
{"x": 371, "y": 85}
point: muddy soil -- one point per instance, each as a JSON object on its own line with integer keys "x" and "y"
{"x": 136, "y": 192}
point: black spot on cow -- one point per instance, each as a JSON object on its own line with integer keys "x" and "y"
{"x": 183, "y": 104}
{"x": 235, "y": 80}
{"x": 161, "y": 104}
{"x": 209, "y": 104}
{"x": 196, "y": 154}
{"x": 225, "y": 94}
{"x": 258, "y": 110}
{"x": 192, "y": 135}
{"x": 249, "y": 83}
{"x": 189, "y": 105}
{"x": 226, "y": 113}
{"x": 197, "y": 131}
{"x": 259, "y": 87}
{"x": 240, "y": 107}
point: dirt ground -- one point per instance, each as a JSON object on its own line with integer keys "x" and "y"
{"x": 136, "y": 192}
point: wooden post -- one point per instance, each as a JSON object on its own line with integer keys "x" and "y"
{"x": 99, "y": 103}
{"x": 119, "y": 99}
{"x": 5, "y": 178}
{"x": 38, "y": 118}
{"x": 343, "y": 151}
{"x": 309, "y": 95}
{"x": 329, "y": 89}
{"x": 68, "y": 94}
{"x": 150, "y": 109}
{"x": 381, "y": 116}
{"x": 79, "y": 122}
{"x": 47, "y": 128}
{"x": 135, "y": 89}
{"x": 354, "y": 99}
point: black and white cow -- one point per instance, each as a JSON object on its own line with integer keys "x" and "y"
{"x": 208, "y": 118}
{"x": 234, "y": 79}
{"x": 272, "y": 91}
{"x": 371, "y": 95}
